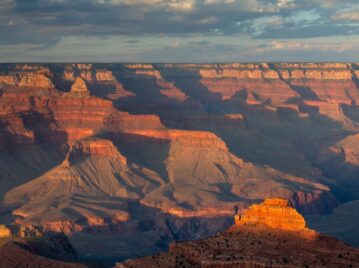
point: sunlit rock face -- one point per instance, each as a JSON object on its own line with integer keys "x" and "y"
{"x": 79, "y": 85}
{"x": 278, "y": 83}
{"x": 85, "y": 147}
{"x": 274, "y": 213}
{"x": 95, "y": 147}
{"x": 269, "y": 234}
{"x": 4, "y": 231}
{"x": 35, "y": 81}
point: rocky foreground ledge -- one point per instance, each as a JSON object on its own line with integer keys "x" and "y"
{"x": 31, "y": 246}
{"x": 270, "y": 234}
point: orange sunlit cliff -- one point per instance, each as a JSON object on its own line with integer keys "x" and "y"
{"x": 270, "y": 234}
{"x": 164, "y": 152}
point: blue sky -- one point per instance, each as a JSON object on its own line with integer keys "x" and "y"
{"x": 178, "y": 30}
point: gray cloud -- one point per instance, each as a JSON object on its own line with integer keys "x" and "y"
{"x": 46, "y": 23}
{"x": 37, "y": 20}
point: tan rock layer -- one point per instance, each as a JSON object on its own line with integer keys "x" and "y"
{"x": 275, "y": 213}
{"x": 194, "y": 138}
{"x": 4, "y": 231}
{"x": 257, "y": 245}
{"x": 96, "y": 147}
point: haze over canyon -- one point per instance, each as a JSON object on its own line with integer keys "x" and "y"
{"x": 135, "y": 156}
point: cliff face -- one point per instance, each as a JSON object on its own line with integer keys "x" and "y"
{"x": 84, "y": 147}
{"x": 273, "y": 213}
{"x": 35, "y": 81}
{"x": 341, "y": 160}
{"x": 270, "y": 234}
{"x": 95, "y": 147}
{"x": 275, "y": 82}
{"x": 32, "y": 247}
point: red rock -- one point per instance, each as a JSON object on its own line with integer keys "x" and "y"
{"x": 34, "y": 80}
{"x": 274, "y": 213}
{"x": 196, "y": 138}
{"x": 9, "y": 80}
{"x": 96, "y": 147}
{"x": 4, "y": 231}
{"x": 270, "y": 234}
{"x": 79, "y": 85}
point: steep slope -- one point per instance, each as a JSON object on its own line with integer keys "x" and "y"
{"x": 341, "y": 161}
{"x": 267, "y": 235}
{"x": 91, "y": 187}
{"x": 30, "y": 246}
{"x": 14, "y": 255}
{"x": 342, "y": 223}
{"x": 205, "y": 179}
{"x": 167, "y": 151}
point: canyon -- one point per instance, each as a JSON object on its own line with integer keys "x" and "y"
{"x": 29, "y": 246}
{"x": 270, "y": 234}
{"x": 153, "y": 153}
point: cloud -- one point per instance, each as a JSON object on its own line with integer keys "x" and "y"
{"x": 307, "y": 46}
{"x": 128, "y": 17}
{"x": 40, "y": 25}
{"x": 350, "y": 14}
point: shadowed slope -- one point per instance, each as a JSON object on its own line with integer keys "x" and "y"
{"x": 88, "y": 188}
{"x": 270, "y": 234}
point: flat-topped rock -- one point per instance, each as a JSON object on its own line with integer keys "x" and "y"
{"x": 192, "y": 138}
{"x": 248, "y": 244}
{"x": 36, "y": 80}
{"x": 274, "y": 213}
{"x": 95, "y": 147}
{"x": 276, "y": 202}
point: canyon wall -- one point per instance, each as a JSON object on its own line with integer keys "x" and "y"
{"x": 257, "y": 241}
{"x": 85, "y": 147}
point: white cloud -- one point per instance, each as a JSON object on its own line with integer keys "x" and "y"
{"x": 352, "y": 15}
{"x": 276, "y": 45}
{"x": 182, "y": 5}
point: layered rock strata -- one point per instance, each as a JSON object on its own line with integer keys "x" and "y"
{"x": 270, "y": 234}
{"x": 274, "y": 213}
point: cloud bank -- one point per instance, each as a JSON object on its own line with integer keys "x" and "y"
{"x": 178, "y": 30}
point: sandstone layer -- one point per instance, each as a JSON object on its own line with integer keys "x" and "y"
{"x": 87, "y": 148}
{"x": 257, "y": 240}
{"x": 4, "y": 231}
{"x": 273, "y": 213}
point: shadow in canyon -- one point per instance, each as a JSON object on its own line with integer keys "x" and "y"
{"x": 148, "y": 232}
{"x": 143, "y": 151}
{"x": 147, "y": 97}
{"x": 26, "y": 157}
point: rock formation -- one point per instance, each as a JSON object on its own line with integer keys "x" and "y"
{"x": 31, "y": 247}
{"x": 79, "y": 86}
{"x": 341, "y": 160}
{"x": 274, "y": 213}
{"x": 27, "y": 231}
{"x": 95, "y": 147}
{"x": 342, "y": 223}
{"x": 270, "y": 234}
{"x": 8, "y": 80}
{"x": 4, "y": 231}
{"x": 88, "y": 147}
{"x": 34, "y": 80}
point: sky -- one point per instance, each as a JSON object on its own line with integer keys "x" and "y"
{"x": 179, "y": 30}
